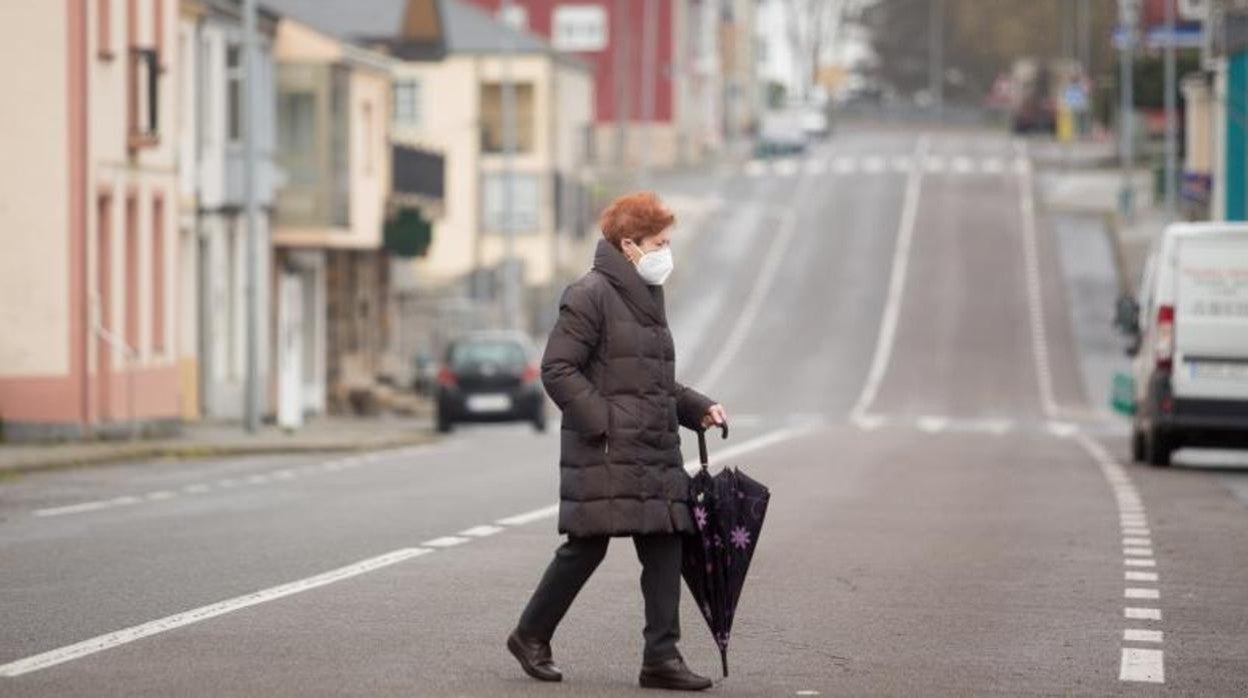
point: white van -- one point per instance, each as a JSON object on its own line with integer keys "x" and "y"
{"x": 1191, "y": 360}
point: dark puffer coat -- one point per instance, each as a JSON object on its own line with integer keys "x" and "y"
{"x": 610, "y": 366}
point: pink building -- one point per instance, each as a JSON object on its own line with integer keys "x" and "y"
{"x": 88, "y": 282}
{"x": 681, "y": 111}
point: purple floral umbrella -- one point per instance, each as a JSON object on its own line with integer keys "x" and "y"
{"x": 728, "y": 511}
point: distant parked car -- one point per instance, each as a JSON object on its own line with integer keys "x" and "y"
{"x": 780, "y": 133}
{"x": 490, "y": 377}
{"x": 1189, "y": 330}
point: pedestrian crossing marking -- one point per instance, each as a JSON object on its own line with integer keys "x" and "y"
{"x": 844, "y": 165}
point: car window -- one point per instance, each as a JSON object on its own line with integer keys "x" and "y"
{"x": 476, "y": 353}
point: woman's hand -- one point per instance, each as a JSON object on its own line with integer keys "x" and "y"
{"x": 715, "y": 416}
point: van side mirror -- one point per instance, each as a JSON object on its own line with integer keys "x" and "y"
{"x": 1127, "y": 315}
{"x": 1127, "y": 321}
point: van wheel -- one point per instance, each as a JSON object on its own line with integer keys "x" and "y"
{"x": 1137, "y": 446}
{"x": 1158, "y": 447}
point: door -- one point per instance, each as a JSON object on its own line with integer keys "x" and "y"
{"x": 290, "y": 352}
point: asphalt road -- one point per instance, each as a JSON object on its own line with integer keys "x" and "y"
{"x": 886, "y": 322}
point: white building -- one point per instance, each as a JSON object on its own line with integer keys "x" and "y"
{"x": 211, "y": 187}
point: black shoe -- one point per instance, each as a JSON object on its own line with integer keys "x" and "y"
{"x": 673, "y": 675}
{"x": 534, "y": 657}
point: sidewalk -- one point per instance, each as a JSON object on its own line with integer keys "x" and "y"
{"x": 1093, "y": 193}
{"x": 205, "y": 439}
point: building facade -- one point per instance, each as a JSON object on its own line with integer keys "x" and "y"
{"x": 656, "y": 66}
{"x": 92, "y": 249}
{"x": 210, "y": 37}
{"x": 330, "y": 276}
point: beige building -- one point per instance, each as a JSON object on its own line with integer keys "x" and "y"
{"x": 330, "y": 269}
{"x": 449, "y": 62}
{"x": 89, "y": 281}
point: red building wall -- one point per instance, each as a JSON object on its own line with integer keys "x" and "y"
{"x": 625, "y": 31}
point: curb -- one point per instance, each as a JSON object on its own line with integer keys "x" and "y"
{"x": 148, "y": 452}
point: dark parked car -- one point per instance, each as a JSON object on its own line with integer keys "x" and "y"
{"x": 490, "y": 377}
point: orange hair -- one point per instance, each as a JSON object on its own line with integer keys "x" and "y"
{"x": 634, "y": 217}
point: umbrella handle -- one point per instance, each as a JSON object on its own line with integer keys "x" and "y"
{"x": 702, "y": 455}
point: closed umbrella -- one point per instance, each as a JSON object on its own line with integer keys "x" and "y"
{"x": 728, "y": 511}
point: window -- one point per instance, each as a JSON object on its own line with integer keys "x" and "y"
{"x": 158, "y": 274}
{"x": 492, "y": 117}
{"x": 144, "y": 107}
{"x": 132, "y": 272}
{"x": 515, "y": 16}
{"x": 524, "y": 203}
{"x": 407, "y": 103}
{"x": 234, "y": 93}
{"x": 104, "y": 30}
{"x": 579, "y": 28}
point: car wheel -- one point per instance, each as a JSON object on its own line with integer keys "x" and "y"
{"x": 1137, "y": 445}
{"x": 1158, "y": 447}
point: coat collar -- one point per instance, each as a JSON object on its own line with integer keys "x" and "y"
{"x": 643, "y": 299}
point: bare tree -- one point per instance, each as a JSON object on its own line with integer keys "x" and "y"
{"x": 813, "y": 26}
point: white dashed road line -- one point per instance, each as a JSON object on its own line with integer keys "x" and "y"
{"x": 121, "y": 637}
{"x": 281, "y": 474}
{"x": 1145, "y": 665}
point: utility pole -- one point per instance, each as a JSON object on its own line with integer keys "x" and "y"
{"x": 621, "y": 54}
{"x": 511, "y": 300}
{"x": 1126, "y": 118}
{"x": 936, "y": 45}
{"x": 251, "y": 408}
{"x": 1171, "y": 94}
{"x": 649, "y": 68}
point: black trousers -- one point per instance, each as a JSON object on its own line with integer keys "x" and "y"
{"x": 577, "y": 559}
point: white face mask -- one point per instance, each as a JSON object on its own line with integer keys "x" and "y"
{"x": 654, "y": 267}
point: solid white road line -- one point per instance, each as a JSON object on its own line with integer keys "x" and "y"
{"x": 1135, "y": 635}
{"x": 1061, "y": 430}
{"x": 753, "y": 444}
{"x": 758, "y": 295}
{"x": 932, "y": 425}
{"x": 1135, "y": 613}
{"x": 529, "y": 517}
{"x": 1035, "y": 301}
{"x": 896, "y": 285}
{"x": 1142, "y": 665}
{"x": 121, "y": 637}
{"x": 867, "y": 422}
